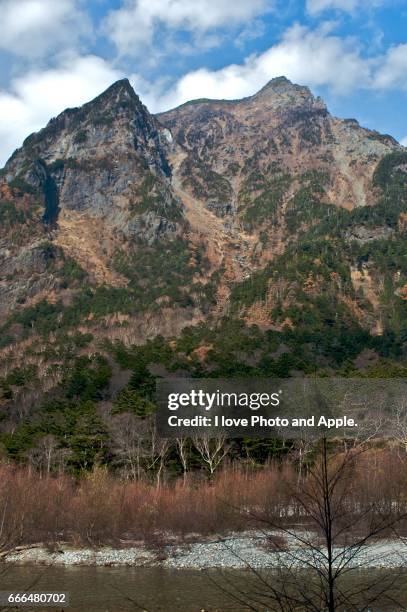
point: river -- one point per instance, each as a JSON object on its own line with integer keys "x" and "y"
{"x": 110, "y": 589}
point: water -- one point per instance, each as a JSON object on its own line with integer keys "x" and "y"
{"x": 109, "y": 589}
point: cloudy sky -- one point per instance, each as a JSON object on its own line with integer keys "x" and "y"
{"x": 60, "y": 53}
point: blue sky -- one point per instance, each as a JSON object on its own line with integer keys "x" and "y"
{"x": 60, "y": 53}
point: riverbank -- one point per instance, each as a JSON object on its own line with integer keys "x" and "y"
{"x": 236, "y": 551}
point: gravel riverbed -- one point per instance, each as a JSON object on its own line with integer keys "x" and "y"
{"x": 234, "y": 551}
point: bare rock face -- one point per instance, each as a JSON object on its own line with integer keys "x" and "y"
{"x": 246, "y": 145}
{"x": 197, "y": 211}
{"x": 94, "y": 182}
{"x": 98, "y": 160}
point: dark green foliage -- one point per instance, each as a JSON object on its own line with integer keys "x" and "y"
{"x": 137, "y": 358}
{"x": 81, "y": 137}
{"x": 46, "y": 317}
{"x": 88, "y": 442}
{"x": 328, "y": 330}
{"x": 43, "y": 317}
{"x": 21, "y": 185}
{"x": 48, "y": 250}
{"x": 388, "y": 255}
{"x": 51, "y": 199}
{"x": 260, "y": 450}
{"x": 88, "y": 378}
{"x": 168, "y": 272}
{"x": 391, "y": 170}
{"x": 159, "y": 202}
{"x": 141, "y": 379}
{"x": 76, "y": 427}
{"x": 6, "y": 394}
{"x": 100, "y": 301}
{"x": 22, "y": 376}
{"x": 206, "y": 184}
{"x": 265, "y": 206}
{"x": 71, "y": 416}
{"x": 19, "y": 441}
{"x": 233, "y": 168}
{"x": 306, "y": 208}
{"x": 60, "y": 164}
{"x": 204, "y": 294}
{"x": 252, "y": 289}
{"x": 5, "y": 339}
{"x": 138, "y": 396}
{"x": 316, "y": 180}
{"x": 385, "y": 213}
{"x": 129, "y": 400}
{"x": 282, "y": 366}
{"x": 71, "y": 271}
{"x": 10, "y": 215}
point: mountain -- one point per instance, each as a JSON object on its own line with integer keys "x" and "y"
{"x": 95, "y": 177}
{"x": 271, "y": 166}
{"x": 256, "y": 236}
{"x": 283, "y": 129}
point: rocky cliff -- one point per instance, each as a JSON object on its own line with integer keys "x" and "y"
{"x": 266, "y": 210}
{"x": 282, "y": 130}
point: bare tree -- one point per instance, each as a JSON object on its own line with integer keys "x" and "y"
{"x": 212, "y": 451}
{"x": 128, "y": 434}
{"x": 44, "y": 456}
{"x": 326, "y": 540}
{"x": 302, "y": 448}
{"x": 182, "y": 448}
{"x": 138, "y": 446}
{"x": 158, "y": 450}
{"x": 399, "y": 423}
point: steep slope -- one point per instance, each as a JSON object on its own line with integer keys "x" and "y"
{"x": 98, "y": 183}
{"x": 260, "y": 237}
{"x": 282, "y": 131}
{"x": 257, "y": 209}
{"x": 100, "y": 160}
{"x": 269, "y": 167}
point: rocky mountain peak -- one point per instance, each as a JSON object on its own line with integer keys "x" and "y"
{"x": 116, "y": 112}
{"x": 282, "y": 85}
{"x": 283, "y": 130}
{"x": 106, "y": 160}
{"x": 210, "y": 208}
{"x": 112, "y": 123}
{"x": 120, "y": 99}
{"x": 122, "y": 87}
{"x": 280, "y": 91}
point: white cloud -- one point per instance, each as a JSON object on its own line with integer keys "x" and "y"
{"x": 392, "y": 73}
{"x": 314, "y": 7}
{"x": 134, "y": 25}
{"x": 32, "y": 28}
{"x": 313, "y": 58}
{"x": 38, "y": 96}
{"x": 306, "y": 57}
{"x": 403, "y": 141}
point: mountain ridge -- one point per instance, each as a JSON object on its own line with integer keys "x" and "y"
{"x": 114, "y": 217}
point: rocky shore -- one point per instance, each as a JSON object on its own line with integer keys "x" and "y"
{"x": 242, "y": 550}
